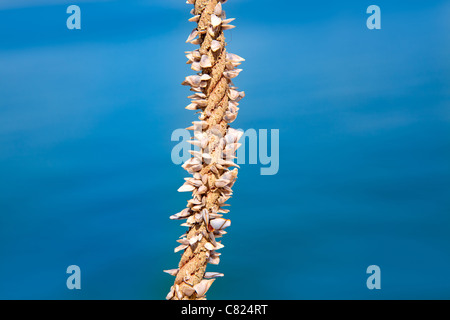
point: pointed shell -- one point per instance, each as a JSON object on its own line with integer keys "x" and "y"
{"x": 181, "y": 215}
{"x": 214, "y": 260}
{"x": 210, "y": 275}
{"x": 181, "y": 247}
{"x": 205, "y": 62}
{"x": 219, "y": 183}
{"x": 234, "y": 57}
{"x": 226, "y": 27}
{"x": 195, "y": 18}
{"x": 203, "y": 286}
{"x": 205, "y": 216}
{"x": 220, "y": 223}
{"x": 171, "y": 293}
{"x": 178, "y": 292}
{"x": 215, "y": 20}
{"x": 192, "y": 35}
{"x": 172, "y": 272}
{"x": 186, "y": 188}
{"x": 188, "y": 290}
{"x": 215, "y": 45}
{"x": 218, "y": 9}
{"x": 202, "y": 189}
{"x": 227, "y": 21}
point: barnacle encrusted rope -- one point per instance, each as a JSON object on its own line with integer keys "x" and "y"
{"x": 216, "y": 99}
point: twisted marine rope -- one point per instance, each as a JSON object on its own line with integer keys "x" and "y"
{"x": 216, "y": 99}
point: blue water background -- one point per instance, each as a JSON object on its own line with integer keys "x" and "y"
{"x": 86, "y": 176}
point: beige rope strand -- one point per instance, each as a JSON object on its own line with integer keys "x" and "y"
{"x": 217, "y": 99}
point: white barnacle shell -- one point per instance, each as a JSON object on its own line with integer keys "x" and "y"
{"x": 232, "y": 146}
{"x": 201, "y": 124}
{"x": 203, "y": 286}
{"x": 186, "y": 187}
{"x": 171, "y": 293}
{"x": 218, "y": 9}
{"x": 178, "y": 292}
{"x": 196, "y": 168}
{"x": 201, "y": 103}
{"x": 172, "y": 272}
{"x": 190, "y": 57}
{"x": 226, "y": 163}
{"x": 233, "y": 135}
{"x": 191, "y": 220}
{"x": 194, "y": 182}
{"x": 205, "y": 77}
{"x": 233, "y": 94}
{"x": 210, "y": 275}
{"x": 225, "y": 27}
{"x": 204, "y": 143}
{"x": 192, "y": 35}
{"x": 213, "y": 260}
{"x": 197, "y": 95}
{"x": 215, "y": 45}
{"x": 202, "y": 189}
{"x": 188, "y": 290}
{"x": 211, "y": 237}
{"x": 229, "y": 117}
{"x": 196, "y": 154}
{"x": 227, "y": 21}
{"x": 193, "y": 80}
{"x": 196, "y": 89}
{"x": 205, "y": 61}
{"x": 233, "y": 57}
{"x": 207, "y": 157}
{"x": 220, "y": 223}
{"x": 211, "y": 31}
{"x": 209, "y": 246}
{"x": 228, "y": 175}
{"x": 195, "y": 143}
{"x": 215, "y": 20}
{"x": 230, "y": 138}
{"x": 181, "y": 247}
{"x": 192, "y": 106}
{"x": 219, "y": 183}
{"x": 196, "y": 54}
{"x": 205, "y": 216}
{"x": 214, "y": 169}
{"x": 194, "y": 201}
{"x": 196, "y": 66}
{"x": 232, "y": 73}
{"x": 194, "y": 239}
{"x": 194, "y": 18}
{"x": 183, "y": 240}
{"x": 181, "y": 215}
{"x": 218, "y": 246}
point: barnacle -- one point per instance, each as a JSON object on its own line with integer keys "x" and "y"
{"x": 216, "y": 99}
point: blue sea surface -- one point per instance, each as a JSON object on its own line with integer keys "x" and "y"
{"x": 87, "y": 179}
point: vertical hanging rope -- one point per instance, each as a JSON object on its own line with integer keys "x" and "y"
{"x": 216, "y": 99}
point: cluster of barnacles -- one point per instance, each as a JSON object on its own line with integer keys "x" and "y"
{"x": 216, "y": 99}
